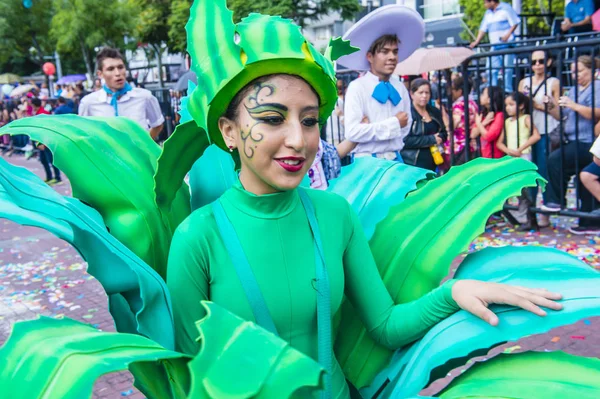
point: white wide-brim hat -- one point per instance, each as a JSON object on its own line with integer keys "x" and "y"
{"x": 393, "y": 19}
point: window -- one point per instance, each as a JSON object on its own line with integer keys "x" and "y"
{"x": 440, "y": 8}
{"x": 323, "y": 32}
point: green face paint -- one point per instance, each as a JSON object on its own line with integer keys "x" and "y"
{"x": 226, "y": 57}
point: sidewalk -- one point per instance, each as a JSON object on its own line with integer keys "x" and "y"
{"x": 40, "y": 274}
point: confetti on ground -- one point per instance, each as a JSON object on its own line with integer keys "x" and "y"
{"x": 127, "y": 393}
{"x": 580, "y": 337}
{"x": 555, "y": 339}
{"x": 587, "y": 322}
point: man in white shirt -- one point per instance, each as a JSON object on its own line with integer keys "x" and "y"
{"x": 500, "y": 22}
{"x": 118, "y": 98}
{"x": 377, "y": 105}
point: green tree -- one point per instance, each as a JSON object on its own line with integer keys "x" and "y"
{"x": 152, "y": 28}
{"x": 24, "y": 33}
{"x": 82, "y": 25}
{"x": 180, "y": 13}
{"x": 474, "y": 10}
{"x": 301, "y": 11}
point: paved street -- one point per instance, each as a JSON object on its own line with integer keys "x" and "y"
{"x": 40, "y": 274}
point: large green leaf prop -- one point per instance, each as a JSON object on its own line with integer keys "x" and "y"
{"x": 138, "y": 297}
{"x": 238, "y": 359}
{"x": 372, "y": 186}
{"x": 111, "y": 163}
{"x": 460, "y": 335}
{"x": 416, "y": 242}
{"x": 211, "y": 176}
{"x": 48, "y": 358}
{"x": 530, "y": 375}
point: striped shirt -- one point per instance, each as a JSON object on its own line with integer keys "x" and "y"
{"x": 498, "y": 22}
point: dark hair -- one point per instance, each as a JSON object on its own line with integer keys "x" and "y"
{"x": 496, "y": 95}
{"x": 459, "y": 84}
{"x": 521, "y": 99}
{"x": 417, "y": 83}
{"x": 36, "y": 102}
{"x": 381, "y": 42}
{"x": 231, "y": 112}
{"x": 62, "y": 100}
{"x": 108, "y": 52}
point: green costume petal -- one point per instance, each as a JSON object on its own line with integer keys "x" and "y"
{"x": 226, "y": 57}
{"x": 463, "y": 335}
{"x": 416, "y": 242}
{"x": 138, "y": 297}
{"x": 530, "y": 375}
{"x": 211, "y": 176}
{"x": 110, "y": 163}
{"x": 261, "y": 364}
{"x": 48, "y": 358}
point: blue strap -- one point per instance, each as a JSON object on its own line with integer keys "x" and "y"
{"x": 242, "y": 267}
{"x": 257, "y": 302}
{"x": 323, "y": 295}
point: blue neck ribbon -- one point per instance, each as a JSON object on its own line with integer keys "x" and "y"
{"x": 384, "y": 91}
{"x": 116, "y": 95}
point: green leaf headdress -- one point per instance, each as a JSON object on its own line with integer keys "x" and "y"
{"x": 226, "y": 57}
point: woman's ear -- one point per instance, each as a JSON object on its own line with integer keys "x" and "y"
{"x": 229, "y": 131}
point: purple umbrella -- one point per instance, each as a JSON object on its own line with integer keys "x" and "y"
{"x": 71, "y": 79}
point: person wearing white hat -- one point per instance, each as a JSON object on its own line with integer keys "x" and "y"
{"x": 377, "y": 105}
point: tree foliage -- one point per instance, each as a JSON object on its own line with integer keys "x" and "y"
{"x": 24, "y": 32}
{"x": 180, "y": 13}
{"x": 301, "y": 11}
{"x": 474, "y": 10}
{"x": 82, "y": 25}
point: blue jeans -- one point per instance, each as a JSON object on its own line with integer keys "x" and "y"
{"x": 538, "y": 157}
{"x": 509, "y": 64}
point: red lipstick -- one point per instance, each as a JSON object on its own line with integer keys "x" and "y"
{"x": 291, "y": 167}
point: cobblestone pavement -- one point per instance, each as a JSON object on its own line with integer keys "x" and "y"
{"x": 42, "y": 275}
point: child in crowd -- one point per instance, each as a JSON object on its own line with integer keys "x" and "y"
{"x": 490, "y": 122}
{"x": 516, "y": 140}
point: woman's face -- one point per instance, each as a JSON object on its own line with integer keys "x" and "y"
{"x": 538, "y": 59}
{"x": 422, "y": 96}
{"x": 276, "y": 134}
{"x": 484, "y": 99}
{"x": 584, "y": 74}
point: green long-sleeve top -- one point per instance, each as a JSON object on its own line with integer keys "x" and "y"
{"x": 276, "y": 238}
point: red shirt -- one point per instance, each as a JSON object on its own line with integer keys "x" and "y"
{"x": 42, "y": 111}
{"x": 489, "y": 148}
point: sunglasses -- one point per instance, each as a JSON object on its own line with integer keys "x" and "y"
{"x": 538, "y": 61}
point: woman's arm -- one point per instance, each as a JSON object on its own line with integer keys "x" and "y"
{"x": 390, "y": 325}
{"x": 534, "y": 138}
{"x": 187, "y": 280}
{"x": 345, "y": 147}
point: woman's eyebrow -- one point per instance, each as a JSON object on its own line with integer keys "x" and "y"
{"x": 278, "y": 106}
{"x": 310, "y": 108}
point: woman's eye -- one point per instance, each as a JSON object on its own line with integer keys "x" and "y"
{"x": 271, "y": 120}
{"x": 310, "y": 122}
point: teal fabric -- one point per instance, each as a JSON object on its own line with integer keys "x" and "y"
{"x": 138, "y": 297}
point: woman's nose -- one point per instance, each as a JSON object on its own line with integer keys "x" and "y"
{"x": 295, "y": 137}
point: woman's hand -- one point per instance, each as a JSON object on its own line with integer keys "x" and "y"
{"x": 438, "y": 139}
{"x": 476, "y": 296}
{"x": 565, "y": 101}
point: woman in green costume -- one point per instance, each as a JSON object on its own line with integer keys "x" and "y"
{"x": 283, "y": 256}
